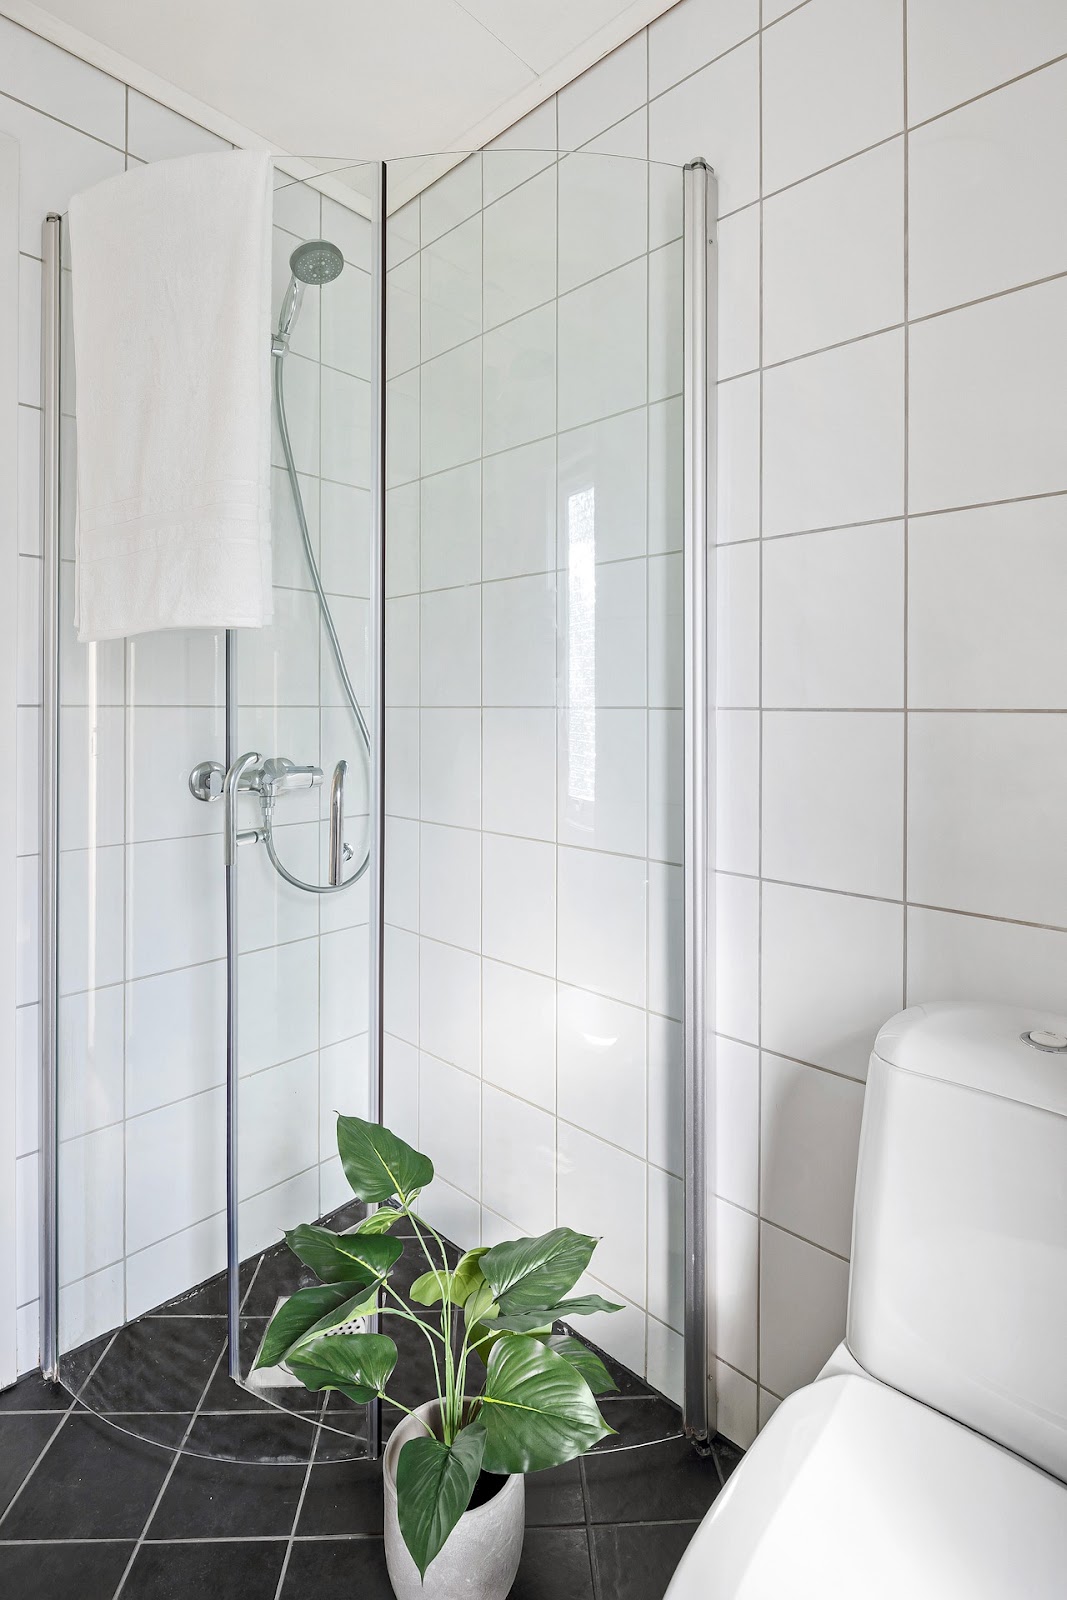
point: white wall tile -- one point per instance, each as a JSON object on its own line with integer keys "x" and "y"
{"x": 737, "y": 630}
{"x": 449, "y": 1122}
{"x": 604, "y": 619}
{"x": 55, "y": 162}
{"x": 520, "y": 380}
{"x": 400, "y": 1110}
{"x": 519, "y": 642}
{"x": 987, "y": 410}
{"x": 689, "y": 34}
{"x": 982, "y": 834}
{"x": 452, "y": 289}
{"x": 402, "y": 872}
{"x": 602, "y": 904}
{"x": 602, "y": 347}
{"x": 833, "y": 255}
{"x": 602, "y": 96}
{"x": 453, "y": 1213}
{"x": 735, "y": 1120}
{"x": 665, "y": 631}
{"x": 90, "y": 1217}
{"x": 739, "y": 292}
{"x": 175, "y": 1028}
{"x": 346, "y": 322}
{"x": 957, "y": 49}
{"x": 401, "y": 983}
{"x": 665, "y": 780}
{"x": 833, "y": 800}
{"x": 450, "y": 652}
{"x": 278, "y": 1137}
{"x": 519, "y": 1161}
{"x": 28, "y": 930}
{"x": 714, "y": 114}
{"x": 665, "y": 1093}
{"x": 601, "y": 1067}
{"x": 736, "y": 981}
{"x": 453, "y": 198}
{"x": 518, "y": 511}
{"x": 451, "y": 528}
{"x": 665, "y": 1360}
{"x": 736, "y": 1407}
{"x": 402, "y": 630}
{"x": 738, "y": 463}
{"x": 665, "y": 331}
{"x": 402, "y": 761}
{"x": 833, "y": 437}
{"x": 27, "y": 1078}
{"x": 156, "y": 133}
{"x": 183, "y": 875}
{"x": 449, "y": 1003}
{"x": 803, "y": 1295}
{"x": 278, "y": 1003}
{"x": 737, "y": 779}
{"x": 450, "y": 767}
{"x": 832, "y": 974}
{"x": 196, "y": 1186}
{"x": 519, "y": 902}
{"x": 449, "y": 885}
{"x": 601, "y": 1190}
{"x": 519, "y": 771}
{"x": 28, "y": 471}
{"x": 602, "y": 787}
{"x": 953, "y": 957}
{"x": 984, "y": 618}
{"x": 666, "y": 936}
{"x": 1013, "y": 142}
{"x": 519, "y": 253}
{"x": 732, "y": 1332}
{"x": 810, "y": 1142}
{"x": 519, "y": 1032}
{"x": 91, "y": 1079}
{"x": 160, "y": 1271}
{"x": 832, "y": 85}
{"x": 664, "y": 475}
{"x": 833, "y": 618}
{"x": 41, "y": 74}
{"x": 91, "y": 894}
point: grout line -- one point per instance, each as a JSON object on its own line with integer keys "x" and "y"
{"x": 906, "y": 620}
{"x": 1053, "y": 61}
{"x": 761, "y": 557}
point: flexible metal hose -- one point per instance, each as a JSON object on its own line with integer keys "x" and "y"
{"x": 331, "y": 634}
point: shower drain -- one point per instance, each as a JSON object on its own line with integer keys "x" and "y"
{"x": 279, "y": 1377}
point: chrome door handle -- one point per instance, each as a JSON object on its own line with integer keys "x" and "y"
{"x": 229, "y": 794}
{"x": 337, "y": 823}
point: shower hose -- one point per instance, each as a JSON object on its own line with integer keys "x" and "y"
{"x": 335, "y": 647}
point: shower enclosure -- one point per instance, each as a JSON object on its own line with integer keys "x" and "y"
{"x": 429, "y": 848}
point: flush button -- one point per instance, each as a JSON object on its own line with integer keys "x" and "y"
{"x": 1043, "y": 1039}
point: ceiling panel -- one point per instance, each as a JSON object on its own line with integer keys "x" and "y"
{"x": 546, "y": 32}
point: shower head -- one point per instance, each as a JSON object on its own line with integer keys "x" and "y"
{"x": 315, "y": 262}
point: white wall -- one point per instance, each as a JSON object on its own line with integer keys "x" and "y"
{"x": 892, "y": 671}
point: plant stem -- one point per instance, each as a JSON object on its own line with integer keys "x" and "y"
{"x": 421, "y": 1421}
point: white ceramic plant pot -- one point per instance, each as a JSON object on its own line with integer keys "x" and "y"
{"x": 481, "y": 1555}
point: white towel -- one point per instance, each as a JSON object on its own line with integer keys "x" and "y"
{"x": 172, "y": 301}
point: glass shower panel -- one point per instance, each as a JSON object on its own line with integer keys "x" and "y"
{"x": 303, "y": 708}
{"x": 534, "y": 736}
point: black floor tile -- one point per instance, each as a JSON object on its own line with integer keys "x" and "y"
{"x": 638, "y": 1419}
{"x": 223, "y": 1393}
{"x": 555, "y": 1565}
{"x": 62, "y": 1571}
{"x": 211, "y": 1499}
{"x": 554, "y": 1497}
{"x": 626, "y": 1382}
{"x": 253, "y": 1438}
{"x": 727, "y": 1455}
{"x": 157, "y": 1364}
{"x": 22, "y": 1438}
{"x": 93, "y": 1483}
{"x": 242, "y": 1570}
{"x": 34, "y": 1393}
{"x": 167, "y": 1428}
{"x": 343, "y": 1498}
{"x": 337, "y": 1569}
{"x": 662, "y": 1482}
{"x": 638, "y": 1562}
{"x": 280, "y": 1274}
{"x": 76, "y": 1367}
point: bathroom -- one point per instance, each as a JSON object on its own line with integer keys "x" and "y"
{"x": 646, "y": 682}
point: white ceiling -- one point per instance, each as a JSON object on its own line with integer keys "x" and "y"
{"x": 355, "y": 78}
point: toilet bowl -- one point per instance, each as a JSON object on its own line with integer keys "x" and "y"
{"x": 929, "y": 1458}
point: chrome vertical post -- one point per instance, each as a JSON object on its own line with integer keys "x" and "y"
{"x": 233, "y": 1232}
{"x": 376, "y": 943}
{"x": 51, "y": 251}
{"x": 698, "y": 295}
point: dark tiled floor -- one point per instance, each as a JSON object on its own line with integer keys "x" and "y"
{"x": 90, "y": 1512}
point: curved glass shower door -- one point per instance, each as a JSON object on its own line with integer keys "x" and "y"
{"x": 531, "y": 966}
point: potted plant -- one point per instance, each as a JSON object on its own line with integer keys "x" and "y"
{"x": 531, "y": 1405}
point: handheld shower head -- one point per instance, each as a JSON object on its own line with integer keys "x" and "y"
{"x": 315, "y": 262}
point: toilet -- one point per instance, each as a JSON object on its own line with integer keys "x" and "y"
{"x": 928, "y": 1460}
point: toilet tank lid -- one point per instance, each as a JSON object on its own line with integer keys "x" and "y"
{"x": 987, "y": 1048}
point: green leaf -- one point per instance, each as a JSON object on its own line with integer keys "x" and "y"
{"x": 358, "y": 1364}
{"x": 343, "y": 1257}
{"x": 537, "y": 1410}
{"x": 377, "y": 1164}
{"x": 434, "y": 1484}
{"x": 542, "y": 1317}
{"x": 524, "y": 1273}
{"x": 299, "y": 1313}
{"x": 583, "y": 1360}
{"x": 427, "y": 1290}
{"x": 363, "y": 1304}
{"x": 379, "y": 1221}
{"x": 480, "y": 1304}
